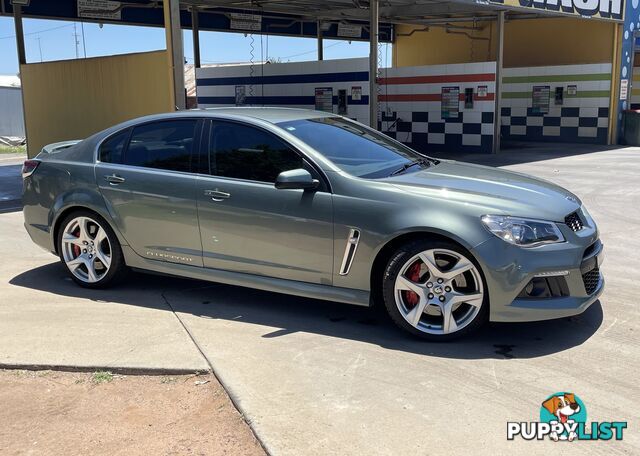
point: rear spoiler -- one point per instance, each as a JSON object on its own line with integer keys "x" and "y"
{"x": 57, "y": 147}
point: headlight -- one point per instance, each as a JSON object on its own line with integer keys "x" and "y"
{"x": 523, "y": 232}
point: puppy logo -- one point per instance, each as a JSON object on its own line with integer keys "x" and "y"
{"x": 565, "y": 409}
{"x": 563, "y": 416}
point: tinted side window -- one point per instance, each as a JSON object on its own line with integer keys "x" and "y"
{"x": 111, "y": 149}
{"x": 246, "y": 152}
{"x": 164, "y": 145}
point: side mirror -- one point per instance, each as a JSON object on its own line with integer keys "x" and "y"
{"x": 296, "y": 179}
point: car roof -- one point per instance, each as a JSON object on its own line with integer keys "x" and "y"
{"x": 270, "y": 114}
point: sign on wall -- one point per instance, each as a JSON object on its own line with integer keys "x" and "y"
{"x": 349, "y": 30}
{"x": 99, "y": 9}
{"x": 624, "y": 89}
{"x": 540, "y": 99}
{"x": 324, "y": 99}
{"x": 600, "y": 9}
{"x": 356, "y": 93}
{"x": 243, "y": 21}
{"x": 450, "y": 102}
{"x": 241, "y": 95}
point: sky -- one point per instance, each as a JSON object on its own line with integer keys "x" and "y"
{"x": 47, "y": 40}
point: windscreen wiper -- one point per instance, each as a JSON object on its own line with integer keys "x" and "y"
{"x": 406, "y": 166}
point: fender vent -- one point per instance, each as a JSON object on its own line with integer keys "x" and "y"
{"x": 574, "y": 221}
{"x": 350, "y": 251}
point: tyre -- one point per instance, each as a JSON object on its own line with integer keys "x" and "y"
{"x": 435, "y": 290}
{"x": 90, "y": 250}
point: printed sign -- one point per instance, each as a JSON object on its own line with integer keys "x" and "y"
{"x": 601, "y": 9}
{"x": 99, "y": 9}
{"x": 324, "y": 99}
{"x": 349, "y": 30}
{"x": 241, "y": 95}
{"x": 450, "y": 104}
{"x": 242, "y": 21}
{"x": 356, "y": 93}
{"x": 483, "y": 91}
{"x": 572, "y": 90}
{"x": 624, "y": 89}
{"x": 540, "y": 99}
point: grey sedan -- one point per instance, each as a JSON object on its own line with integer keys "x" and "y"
{"x": 316, "y": 205}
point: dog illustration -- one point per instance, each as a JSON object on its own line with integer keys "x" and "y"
{"x": 562, "y": 407}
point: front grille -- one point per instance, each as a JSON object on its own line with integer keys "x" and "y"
{"x": 574, "y": 221}
{"x": 591, "y": 280}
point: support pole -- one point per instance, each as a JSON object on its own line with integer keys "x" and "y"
{"x": 17, "y": 19}
{"x": 175, "y": 50}
{"x": 616, "y": 57}
{"x": 195, "y": 26}
{"x": 373, "y": 64}
{"x": 320, "y": 46}
{"x": 497, "y": 116}
{"x": 22, "y": 60}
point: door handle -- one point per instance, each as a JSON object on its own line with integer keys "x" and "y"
{"x": 217, "y": 195}
{"x": 114, "y": 179}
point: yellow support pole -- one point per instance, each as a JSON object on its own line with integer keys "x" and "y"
{"x": 175, "y": 52}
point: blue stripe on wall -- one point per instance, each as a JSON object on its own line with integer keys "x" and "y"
{"x": 285, "y": 79}
{"x": 277, "y": 100}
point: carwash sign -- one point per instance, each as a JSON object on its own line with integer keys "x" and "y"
{"x": 600, "y": 9}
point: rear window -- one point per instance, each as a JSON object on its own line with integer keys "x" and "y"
{"x": 112, "y": 149}
{"x": 162, "y": 145}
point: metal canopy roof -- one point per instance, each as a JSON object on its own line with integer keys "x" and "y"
{"x": 299, "y": 17}
{"x": 421, "y": 11}
{"x": 392, "y": 11}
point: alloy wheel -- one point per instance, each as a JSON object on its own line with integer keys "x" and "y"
{"x": 439, "y": 291}
{"x": 86, "y": 249}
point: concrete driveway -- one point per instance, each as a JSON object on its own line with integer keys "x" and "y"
{"x": 321, "y": 378}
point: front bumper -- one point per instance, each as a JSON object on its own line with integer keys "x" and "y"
{"x": 509, "y": 269}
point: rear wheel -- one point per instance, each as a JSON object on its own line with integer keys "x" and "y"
{"x": 90, "y": 250}
{"x": 435, "y": 290}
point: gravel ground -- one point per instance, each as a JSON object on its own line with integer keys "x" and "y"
{"x": 53, "y": 413}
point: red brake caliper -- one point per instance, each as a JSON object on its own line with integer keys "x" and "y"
{"x": 413, "y": 274}
{"x": 76, "y": 248}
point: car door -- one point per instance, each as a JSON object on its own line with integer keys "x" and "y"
{"x": 249, "y": 226}
{"x": 144, "y": 174}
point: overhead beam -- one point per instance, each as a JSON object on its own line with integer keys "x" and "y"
{"x": 373, "y": 63}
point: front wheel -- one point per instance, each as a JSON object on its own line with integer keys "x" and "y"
{"x": 90, "y": 250}
{"x": 435, "y": 290}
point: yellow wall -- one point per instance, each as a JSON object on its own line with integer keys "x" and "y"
{"x": 437, "y": 46}
{"x": 73, "y": 99}
{"x": 531, "y": 42}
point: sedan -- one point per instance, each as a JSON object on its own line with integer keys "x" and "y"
{"x": 315, "y": 205}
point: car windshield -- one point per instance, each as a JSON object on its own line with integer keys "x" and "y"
{"x": 357, "y": 150}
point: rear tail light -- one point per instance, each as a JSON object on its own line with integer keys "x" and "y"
{"x": 28, "y": 167}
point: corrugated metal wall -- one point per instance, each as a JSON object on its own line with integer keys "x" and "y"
{"x": 73, "y": 99}
{"x": 11, "y": 119}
